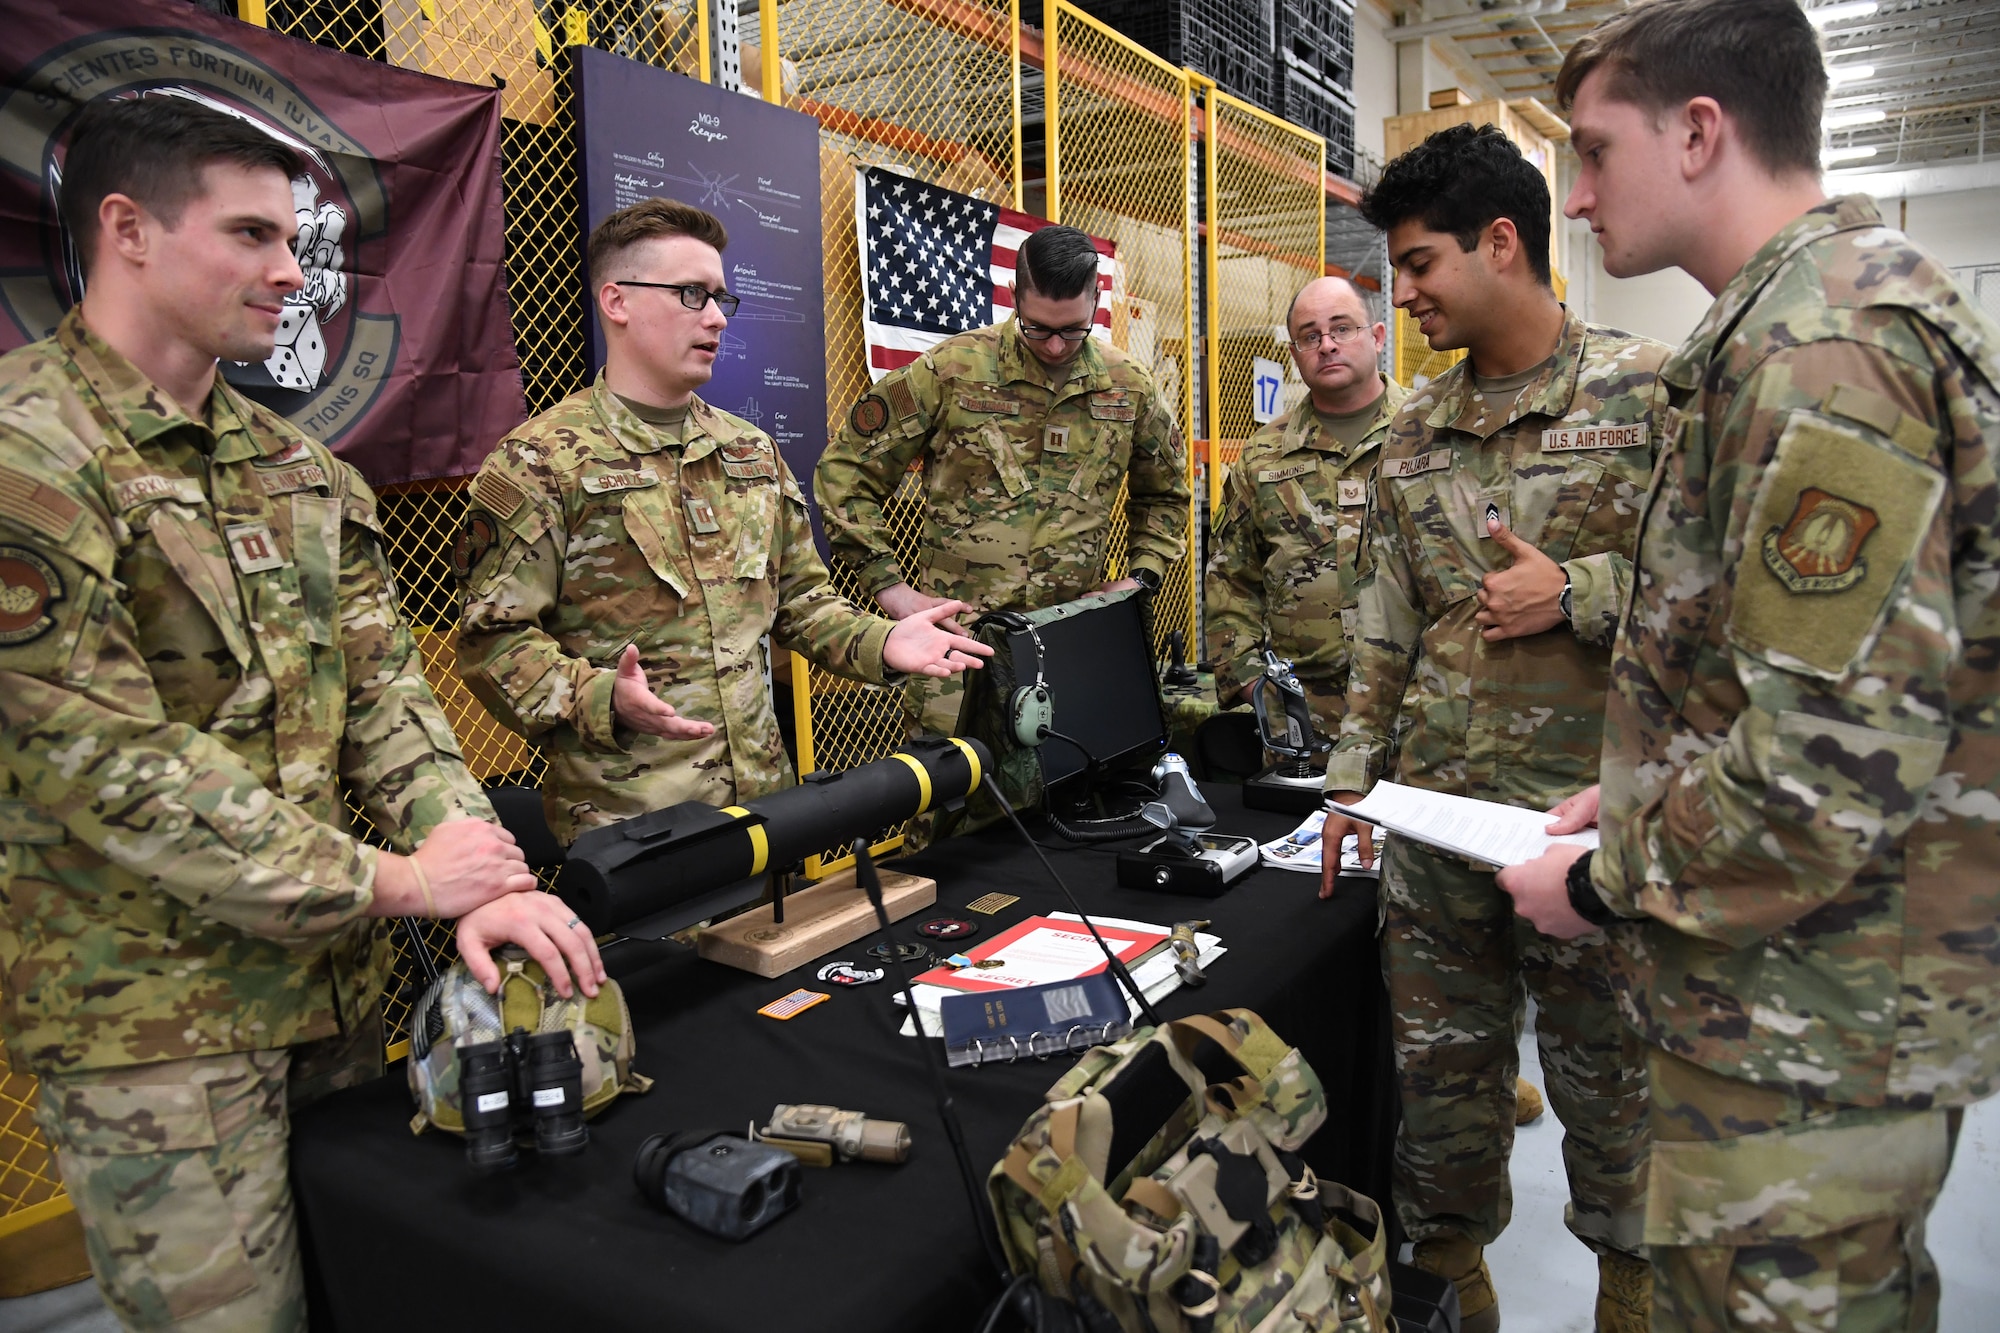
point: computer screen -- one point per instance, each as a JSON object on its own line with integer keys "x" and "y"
{"x": 1099, "y": 668}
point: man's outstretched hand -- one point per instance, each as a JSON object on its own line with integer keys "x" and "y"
{"x": 1333, "y": 836}
{"x": 922, "y": 646}
{"x": 635, "y": 705}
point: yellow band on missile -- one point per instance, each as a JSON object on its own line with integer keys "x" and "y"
{"x": 760, "y": 846}
{"x": 972, "y": 758}
{"x": 923, "y": 778}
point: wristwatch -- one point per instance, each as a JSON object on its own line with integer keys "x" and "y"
{"x": 1566, "y": 602}
{"x": 1147, "y": 578}
{"x": 1583, "y": 899}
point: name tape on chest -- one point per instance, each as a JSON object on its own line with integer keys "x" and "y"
{"x": 283, "y": 481}
{"x": 135, "y": 491}
{"x": 604, "y": 483}
{"x": 1437, "y": 460}
{"x": 253, "y": 547}
{"x": 1566, "y": 438}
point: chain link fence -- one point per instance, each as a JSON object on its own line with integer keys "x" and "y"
{"x": 931, "y": 87}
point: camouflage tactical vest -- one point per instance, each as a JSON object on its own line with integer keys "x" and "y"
{"x": 456, "y": 1011}
{"x": 1209, "y": 1223}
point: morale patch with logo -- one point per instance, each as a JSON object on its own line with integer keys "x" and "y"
{"x": 29, "y": 586}
{"x": 1819, "y": 549}
{"x": 869, "y": 415}
{"x": 847, "y": 974}
{"x": 475, "y": 538}
{"x": 1352, "y": 491}
{"x": 1566, "y": 438}
{"x": 253, "y": 547}
{"x": 282, "y": 481}
{"x": 135, "y": 491}
{"x": 1437, "y": 460}
{"x": 604, "y": 483}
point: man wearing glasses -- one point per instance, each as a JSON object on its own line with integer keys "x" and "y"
{"x": 1288, "y": 537}
{"x": 627, "y": 552}
{"x": 1024, "y": 432}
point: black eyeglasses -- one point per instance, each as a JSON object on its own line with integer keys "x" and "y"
{"x": 1037, "y": 333}
{"x": 693, "y": 295}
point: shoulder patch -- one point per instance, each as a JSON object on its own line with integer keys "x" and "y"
{"x": 38, "y": 506}
{"x": 476, "y": 537}
{"x": 497, "y": 493}
{"x": 901, "y": 399}
{"x": 869, "y": 415}
{"x": 29, "y": 586}
{"x": 1837, "y": 523}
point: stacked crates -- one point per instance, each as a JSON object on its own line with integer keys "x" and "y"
{"x": 1231, "y": 41}
{"x": 1316, "y": 74}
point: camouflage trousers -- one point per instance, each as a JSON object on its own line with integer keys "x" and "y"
{"x": 1782, "y": 1214}
{"x": 178, "y": 1174}
{"x": 1459, "y": 966}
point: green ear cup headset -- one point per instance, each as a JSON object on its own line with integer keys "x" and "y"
{"x": 1031, "y": 709}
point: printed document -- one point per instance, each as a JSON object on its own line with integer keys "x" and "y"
{"x": 1484, "y": 831}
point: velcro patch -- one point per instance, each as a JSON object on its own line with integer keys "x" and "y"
{"x": 296, "y": 452}
{"x": 1002, "y": 406}
{"x": 869, "y": 415}
{"x": 1824, "y": 564}
{"x": 1565, "y": 438}
{"x": 283, "y": 481}
{"x": 1353, "y": 491}
{"x": 603, "y": 483}
{"x": 1104, "y": 408}
{"x": 135, "y": 491}
{"x": 746, "y": 469}
{"x": 1872, "y": 409}
{"x": 36, "y": 505}
{"x": 253, "y": 547}
{"x": 475, "y": 538}
{"x": 1286, "y": 473}
{"x": 498, "y": 494}
{"x": 29, "y": 586}
{"x": 1437, "y": 460}
{"x": 901, "y": 399}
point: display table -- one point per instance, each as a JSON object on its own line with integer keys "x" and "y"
{"x": 401, "y": 1235}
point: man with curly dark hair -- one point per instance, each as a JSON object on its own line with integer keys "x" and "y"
{"x": 1499, "y": 534}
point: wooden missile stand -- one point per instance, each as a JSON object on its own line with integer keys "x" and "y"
{"x": 796, "y": 928}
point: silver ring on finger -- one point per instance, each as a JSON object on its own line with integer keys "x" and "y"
{"x": 572, "y": 923}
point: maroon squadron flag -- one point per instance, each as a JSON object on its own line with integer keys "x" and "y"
{"x": 397, "y": 352}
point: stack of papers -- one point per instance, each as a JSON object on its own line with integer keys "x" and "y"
{"x": 1300, "y": 850}
{"x": 1154, "y": 974}
{"x": 1483, "y": 831}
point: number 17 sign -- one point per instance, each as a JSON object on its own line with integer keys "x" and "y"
{"x": 1267, "y": 381}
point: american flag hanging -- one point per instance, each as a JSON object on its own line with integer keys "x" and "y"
{"x": 935, "y": 262}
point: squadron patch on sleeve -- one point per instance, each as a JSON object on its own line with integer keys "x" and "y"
{"x": 475, "y": 538}
{"x": 1819, "y": 549}
{"x": 29, "y": 585}
{"x": 869, "y": 415}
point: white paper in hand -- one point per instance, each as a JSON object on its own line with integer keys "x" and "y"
{"x": 1484, "y": 831}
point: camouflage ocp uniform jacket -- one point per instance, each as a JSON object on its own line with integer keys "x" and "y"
{"x": 590, "y": 530}
{"x": 1565, "y": 465}
{"x": 199, "y": 648}
{"x": 1020, "y": 481}
{"x": 1802, "y": 751}
{"x": 1285, "y": 552}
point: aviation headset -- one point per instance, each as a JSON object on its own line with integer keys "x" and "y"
{"x": 1031, "y": 709}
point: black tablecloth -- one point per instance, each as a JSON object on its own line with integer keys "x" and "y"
{"x": 400, "y": 1234}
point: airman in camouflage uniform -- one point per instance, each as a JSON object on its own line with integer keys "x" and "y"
{"x": 1470, "y": 490}
{"x": 596, "y": 536}
{"x": 1287, "y": 544}
{"x": 200, "y": 658}
{"x": 1022, "y": 462}
{"x": 607, "y": 532}
{"x": 1801, "y": 799}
